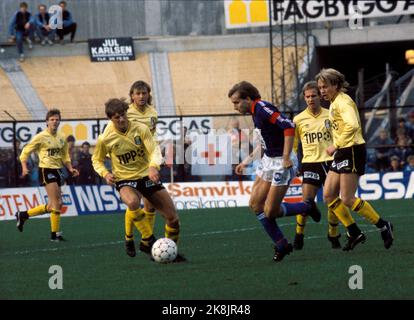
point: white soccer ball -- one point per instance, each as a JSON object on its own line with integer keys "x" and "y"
{"x": 164, "y": 250}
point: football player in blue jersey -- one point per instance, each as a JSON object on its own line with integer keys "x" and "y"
{"x": 277, "y": 168}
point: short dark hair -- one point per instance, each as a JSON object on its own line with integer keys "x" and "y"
{"x": 311, "y": 85}
{"x": 114, "y": 106}
{"x": 23, "y": 5}
{"x": 42, "y": 5}
{"x": 53, "y": 112}
{"x": 86, "y": 143}
{"x": 139, "y": 85}
{"x": 245, "y": 89}
{"x": 63, "y": 2}
{"x": 70, "y": 138}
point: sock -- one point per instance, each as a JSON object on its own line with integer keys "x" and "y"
{"x": 364, "y": 209}
{"x": 150, "y": 216}
{"x": 341, "y": 212}
{"x": 55, "y": 220}
{"x": 272, "y": 229}
{"x": 300, "y": 224}
{"x": 293, "y": 209}
{"x": 37, "y": 210}
{"x": 353, "y": 230}
{"x": 138, "y": 218}
{"x": 129, "y": 225}
{"x": 172, "y": 232}
{"x": 380, "y": 224}
{"x": 333, "y": 224}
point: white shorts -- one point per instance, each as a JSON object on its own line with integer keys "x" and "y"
{"x": 271, "y": 170}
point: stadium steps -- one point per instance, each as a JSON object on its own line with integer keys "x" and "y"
{"x": 36, "y": 110}
{"x": 80, "y": 88}
{"x": 201, "y": 79}
{"x": 162, "y": 86}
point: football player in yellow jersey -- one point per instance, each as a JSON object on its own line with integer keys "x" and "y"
{"x": 136, "y": 162}
{"x": 349, "y": 152}
{"x": 53, "y": 153}
{"x": 141, "y": 110}
{"x": 314, "y": 132}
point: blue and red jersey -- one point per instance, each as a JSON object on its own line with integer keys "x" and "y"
{"x": 272, "y": 127}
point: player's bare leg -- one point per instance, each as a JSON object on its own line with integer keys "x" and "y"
{"x": 258, "y": 196}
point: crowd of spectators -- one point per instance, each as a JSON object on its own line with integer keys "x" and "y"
{"x": 25, "y": 26}
{"x": 396, "y": 154}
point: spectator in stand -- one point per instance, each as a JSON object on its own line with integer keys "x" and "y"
{"x": 21, "y": 27}
{"x": 410, "y": 164}
{"x": 401, "y": 124}
{"x": 410, "y": 125}
{"x": 403, "y": 150}
{"x": 395, "y": 165}
{"x": 383, "y": 148}
{"x": 69, "y": 26}
{"x": 85, "y": 168}
{"x": 43, "y": 29}
{"x": 73, "y": 153}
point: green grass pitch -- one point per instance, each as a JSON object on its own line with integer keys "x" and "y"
{"x": 230, "y": 257}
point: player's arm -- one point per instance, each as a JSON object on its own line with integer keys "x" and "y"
{"x": 154, "y": 154}
{"x": 27, "y": 150}
{"x": 289, "y": 135}
{"x": 246, "y": 161}
{"x": 297, "y": 137}
{"x": 67, "y": 162}
{"x": 98, "y": 162}
{"x": 351, "y": 125}
{"x": 287, "y": 150}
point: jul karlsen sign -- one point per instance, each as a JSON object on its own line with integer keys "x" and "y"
{"x": 111, "y": 49}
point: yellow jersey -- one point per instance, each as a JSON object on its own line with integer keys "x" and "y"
{"x": 149, "y": 116}
{"x": 131, "y": 153}
{"x": 315, "y": 134}
{"x": 52, "y": 150}
{"x": 345, "y": 121}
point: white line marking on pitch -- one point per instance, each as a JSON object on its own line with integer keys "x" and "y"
{"x": 103, "y": 244}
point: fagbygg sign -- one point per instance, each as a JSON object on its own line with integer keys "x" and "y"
{"x": 255, "y": 13}
{"x": 111, "y": 49}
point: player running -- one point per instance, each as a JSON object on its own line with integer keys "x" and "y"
{"x": 278, "y": 165}
{"x": 141, "y": 110}
{"x": 53, "y": 152}
{"x": 136, "y": 162}
{"x": 312, "y": 129}
{"x": 349, "y": 152}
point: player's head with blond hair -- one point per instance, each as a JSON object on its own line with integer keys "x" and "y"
{"x": 140, "y": 92}
{"x": 334, "y": 78}
{"x": 115, "y": 106}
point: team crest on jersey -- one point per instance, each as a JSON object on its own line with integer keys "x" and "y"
{"x": 327, "y": 124}
{"x": 137, "y": 141}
